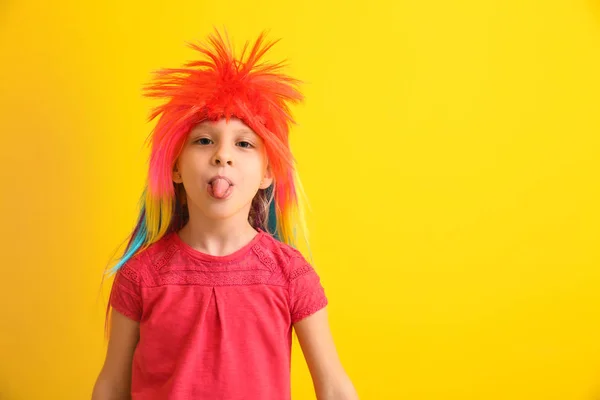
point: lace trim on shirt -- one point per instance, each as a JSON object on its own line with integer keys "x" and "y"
{"x": 203, "y": 278}
{"x": 306, "y": 267}
{"x": 263, "y": 257}
{"x": 166, "y": 257}
{"x": 125, "y": 311}
{"x": 130, "y": 274}
{"x": 309, "y": 311}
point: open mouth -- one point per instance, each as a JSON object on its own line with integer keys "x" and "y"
{"x": 220, "y": 187}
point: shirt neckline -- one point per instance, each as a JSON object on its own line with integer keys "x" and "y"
{"x": 197, "y": 254}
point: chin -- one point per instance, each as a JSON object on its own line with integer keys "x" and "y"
{"x": 221, "y": 211}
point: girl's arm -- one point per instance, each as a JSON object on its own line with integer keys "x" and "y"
{"x": 329, "y": 378}
{"x": 114, "y": 381}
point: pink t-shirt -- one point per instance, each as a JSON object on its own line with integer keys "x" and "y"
{"x": 215, "y": 327}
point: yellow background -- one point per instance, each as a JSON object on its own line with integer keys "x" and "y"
{"x": 450, "y": 150}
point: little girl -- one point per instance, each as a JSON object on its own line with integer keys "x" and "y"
{"x": 207, "y": 292}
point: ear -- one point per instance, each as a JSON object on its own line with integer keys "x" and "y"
{"x": 267, "y": 178}
{"x": 176, "y": 176}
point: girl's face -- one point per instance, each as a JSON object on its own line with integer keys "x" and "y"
{"x": 222, "y": 166}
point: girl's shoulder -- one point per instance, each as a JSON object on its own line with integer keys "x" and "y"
{"x": 141, "y": 264}
{"x": 282, "y": 257}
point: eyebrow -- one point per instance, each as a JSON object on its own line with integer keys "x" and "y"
{"x": 203, "y": 128}
{"x": 245, "y": 130}
{"x": 211, "y": 130}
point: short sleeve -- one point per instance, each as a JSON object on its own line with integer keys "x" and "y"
{"x": 307, "y": 295}
{"x": 126, "y": 296}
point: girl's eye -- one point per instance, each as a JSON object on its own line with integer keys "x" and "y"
{"x": 204, "y": 141}
{"x": 245, "y": 145}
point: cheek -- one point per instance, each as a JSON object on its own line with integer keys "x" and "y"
{"x": 264, "y": 161}
{"x": 191, "y": 162}
{"x": 251, "y": 175}
{"x": 259, "y": 166}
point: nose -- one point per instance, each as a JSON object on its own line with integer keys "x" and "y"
{"x": 222, "y": 156}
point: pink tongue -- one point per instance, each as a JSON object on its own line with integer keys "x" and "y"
{"x": 219, "y": 187}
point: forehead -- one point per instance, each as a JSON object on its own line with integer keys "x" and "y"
{"x": 234, "y": 125}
